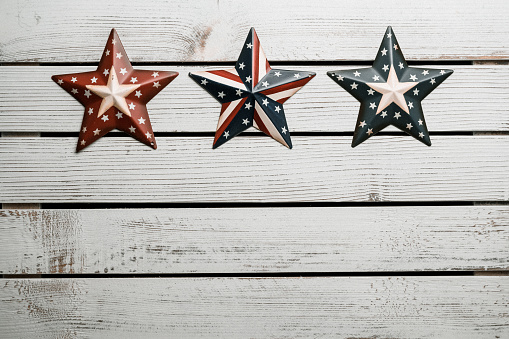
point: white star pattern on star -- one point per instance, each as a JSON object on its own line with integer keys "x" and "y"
{"x": 385, "y": 68}
{"x": 265, "y": 84}
{"x": 245, "y": 122}
{"x": 340, "y": 78}
{"x": 296, "y": 75}
{"x": 87, "y": 93}
{"x": 84, "y": 129}
{"x": 241, "y": 65}
{"x": 73, "y": 79}
{"x": 97, "y": 131}
{"x": 155, "y": 74}
{"x": 90, "y": 111}
{"x": 132, "y": 129}
{"x": 119, "y": 115}
{"x": 141, "y": 121}
{"x": 370, "y": 131}
{"x": 119, "y": 55}
{"x": 357, "y": 74}
{"x": 249, "y": 45}
{"x": 94, "y": 80}
{"x": 354, "y": 85}
{"x": 421, "y": 135}
{"x": 248, "y": 105}
{"x": 113, "y": 41}
{"x": 395, "y": 47}
{"x": 83, "y": 142}
{"x": 384, "y": 114}
{"x": 416, "y": 91}
{"x": 389, "y": 35}
{"x": 401, "y": 66}
{"x": 432, "y": 81}
{"x": 278, "y": 74}
{"x": 138, "y": 94}
{"x": 106, "y": 72}
{"x": 156, "y": 84}
{"x": 238, "y": 92}
{"x": 74, "y": 91}
{"x": 410, "y": 105}
{"x": 265, "y": 102}
{"x": 204, "y": 82}
{"x": 413, "y": 77}
{"x": 362, "y": 123}
{"x": 248, "y": 79}
{"x": 376, "y": 78}
{"x": 123, "y": 71}
{"x": 132, "y": 106}
{"x": 277, "y": 109}
{"x": 384, "y": 51}
{"x": 226, "y": 134}
{"x": 221, "y": 95}
{"x": 60, "y": 81}
{"x": 409, "y": 126}
{"x": 283, "y": 130}
{"x": 397, "y": 115}
{"x": 420, "y": 122}
{"x": 107, "y": 52}
{"x": 442, "y": 72}
{"x": 148, "y": 135}
{"x": 105, "y": 118}
{"x": 372, "y": 105}
{"x": 425, "y": 72}
{"x": 371, "y": 92}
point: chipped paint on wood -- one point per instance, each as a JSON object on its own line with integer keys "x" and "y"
{"x": 330, "y": 239}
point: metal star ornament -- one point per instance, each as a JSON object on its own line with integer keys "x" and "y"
{"x": 390, "y": 92}
{"x": 115, "y": 95}
{"x": 252, "y": 94}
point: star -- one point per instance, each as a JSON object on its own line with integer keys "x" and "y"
{"x": 148, "y": 135}
{"x": 395, "y": 47}
{"x": 110, "y": 94}
{"x": 370, "y": 131}
{"x": 410, "y": 105}
{"x": 409, "y": 126}
{"x": 425, "y": 72}
{"x": 420, "y": 122}
{"x": 141, "y": 121}
{"x": 221, "y": 95}
{"x": 340, "y": 78}
{"x": 413, "y": 77}
{"x": 156, "y": 84}
{"x": 155, "y": 74}
{"x": 421, "y": 135}
{"x": 260, "y": 94}
{"x": 397, "y": 115}
{"x": 401, "y": 65}
{"x": 392, "y": 91}
{"x": 362, "y": 123}
{"x": 74, "y": 91}
{"x": 385, "y": 68}
{"x": 74, "y": 79}
{"x": 204, "y": 82}
{"x": 384, "y": 51}
{"x": 442, "y": 72}
{"x": 60, "y": 81}
{"x": 416, "y": 91}
{"x": 357, "y": 74}
{"x": 354, "y": 85}
{"x": 389, "y": 35}
{"x": 384, "y": 114}
{"x": 372, "y": 106}
{"x": 113, "y": 94}
{"x": 432, "y": 81}
{"x": 371, "y": 92}
{"x": 376, "y": 78}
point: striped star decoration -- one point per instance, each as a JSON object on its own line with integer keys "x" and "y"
{"x": 390, "y": 92}
{"x": 252, "y": 94}
{"x": 115, "y": 95}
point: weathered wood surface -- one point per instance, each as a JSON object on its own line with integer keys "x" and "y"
{"x": 30, "y": 101}
{"x": 255, "y": 169}
{"x": 360, "y": 307}
{"x": 236, "y": 240}
{"x": 209, "y": 30}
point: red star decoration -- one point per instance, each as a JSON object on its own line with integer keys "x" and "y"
{"x": 115, "y": 95}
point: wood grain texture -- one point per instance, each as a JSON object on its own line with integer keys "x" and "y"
{"x": 239, "y": 240}
{"x": 473, "y": 99}
{"x": 360, "y": 307}
{"x": 209, "y": 30}
{"x": 255, "y": 169}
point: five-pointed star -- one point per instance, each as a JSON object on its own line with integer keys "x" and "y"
{"x": 117, "y": 89}
{"x": 253, "y": 94}
{"x": 398, "y": 93}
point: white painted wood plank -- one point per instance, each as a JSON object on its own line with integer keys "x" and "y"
{"x": 473, "y": 99}
{"x": 209, "y": 30}
{"x": 360, "y": 307}
{"x": 239, "y": 240}
{"x": 255, "y": 169}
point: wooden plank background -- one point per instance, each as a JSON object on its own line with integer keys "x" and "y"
{"x": 341, "y": 217}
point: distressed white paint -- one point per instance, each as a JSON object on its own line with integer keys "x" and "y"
{"x": 210, "y": 30}
{"x": 360, "y": 307}
{"x": 256, "y": 169}
{"x": 229, "y": 240}
{"x": 31, "y": 101}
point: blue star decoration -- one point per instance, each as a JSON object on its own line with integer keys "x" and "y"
{"x": 252, "y": 94}
{"x": 390, "y": 92}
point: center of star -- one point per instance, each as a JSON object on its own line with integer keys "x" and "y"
{"x": 113, "y": 94}
{"x": 392, "y": 91}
